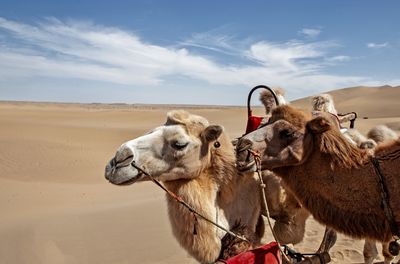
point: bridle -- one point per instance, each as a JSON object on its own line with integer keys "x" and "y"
{"x": 180, "y": 200}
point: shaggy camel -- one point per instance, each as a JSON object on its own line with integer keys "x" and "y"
{"x": 196, "y": 161}
{"x": 325, "y": 103}
{"x": 268, "y": 100}
{"x": 381, "y": 134}
{"x": 378, "y": 135}
{"x": 332, "y": 178}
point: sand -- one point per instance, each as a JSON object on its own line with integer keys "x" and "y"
{"x": 56, "y": 206}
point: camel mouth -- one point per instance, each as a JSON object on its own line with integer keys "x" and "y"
{"x": 245, "y": 167}
{"x": 129, "y": 181}
{"x": 122, "y": 175}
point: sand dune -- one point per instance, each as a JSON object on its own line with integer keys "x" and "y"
{"x": 57, "y": 208}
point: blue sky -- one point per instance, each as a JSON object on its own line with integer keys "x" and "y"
{"x": 193, "y": 52}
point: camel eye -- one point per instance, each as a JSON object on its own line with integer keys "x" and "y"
{"x": 179, "y": 145}
{"x": 286, "y": 134}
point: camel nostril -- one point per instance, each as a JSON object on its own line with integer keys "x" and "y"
{"x": 123, "y": 154}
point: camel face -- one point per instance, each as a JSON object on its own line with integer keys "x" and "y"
{"x": 279, "y": 144}
{"x": 177, "y": 150}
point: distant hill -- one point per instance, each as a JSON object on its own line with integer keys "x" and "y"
{"x": 371, "y": 102}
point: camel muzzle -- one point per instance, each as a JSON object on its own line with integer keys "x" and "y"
{"x": 119, "y": 170}
{"x": 244, "y": 159}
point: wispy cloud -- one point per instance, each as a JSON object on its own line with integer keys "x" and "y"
{"x": 377, "y": 45}
{"x": 58, "y": 49}
{"x": 339, "y": 58}
{"x": 310, "y": 32}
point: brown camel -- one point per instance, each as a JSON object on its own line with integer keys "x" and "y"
{"x": 196, "y": 161}
{"x": 378, "y": 134}
{"x": 333, "y": 179}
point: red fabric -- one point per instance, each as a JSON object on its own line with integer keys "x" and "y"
{"x": 267, "y": 254}
{"x": 252, "y": 123}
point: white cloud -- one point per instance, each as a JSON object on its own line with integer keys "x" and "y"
{"x": 58, "y": 49}
{"x": 289, "y": 56}
{"x": 339, "y": 58}
{"x": 310, "y": 32}
{"x": 377, "y": 45}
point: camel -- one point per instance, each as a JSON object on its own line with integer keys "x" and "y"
{"x": 196, "y": 161}
{"x": 325, "y": 103}
{"x": 332, "y": 178}
{"x": 379, "y": 134}
{"x": 290, "y": 217}
{"x": 268, "y": 100}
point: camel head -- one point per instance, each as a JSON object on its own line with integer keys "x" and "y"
{"x": 180, "y": 149}
{"x": 323, "y": 103}
{"x": 285, "y": 141}
{"x": 268, "y": 100}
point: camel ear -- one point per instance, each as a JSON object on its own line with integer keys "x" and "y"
{"x": 212, "y": 132}
{"x": 319, "y": 125}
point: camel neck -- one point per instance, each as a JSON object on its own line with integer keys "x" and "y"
{"x": 347, "y": 199}
{"x": 193, "y": 233}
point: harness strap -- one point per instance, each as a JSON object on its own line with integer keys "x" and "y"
{"x": 180, "y": 200}
{"x": 385, "y": 198}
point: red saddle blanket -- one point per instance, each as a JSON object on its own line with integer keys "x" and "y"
{"x": 267, "y": 254}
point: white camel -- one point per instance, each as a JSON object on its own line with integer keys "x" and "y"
{"x": 196, "y": 161}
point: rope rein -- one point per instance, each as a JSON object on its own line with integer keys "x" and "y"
{"x": 257, "y": 160}
{"x": 188, "y": 206}
{"x": 287, "y": 253}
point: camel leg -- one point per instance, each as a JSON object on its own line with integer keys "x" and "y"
{"x": 386, "y": 254}
{"x": 370, "y": 251}
{"x": 328, "y": 241}
{"x": 259, "y": 232}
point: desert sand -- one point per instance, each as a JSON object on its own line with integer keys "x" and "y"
{"x": 56, "y": 206}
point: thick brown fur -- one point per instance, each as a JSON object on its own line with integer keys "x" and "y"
{"x": 346, "y": 196}
{"x": 291, "y": 114}
{"x": 333, "y": 149}
{"x": 340, "y": 151}
{"x": 232, "y": 246}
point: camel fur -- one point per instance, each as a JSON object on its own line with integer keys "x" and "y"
{"x": 268, "y": 100}
{"x": 332, "y": 178}
{"x": 376, "y": 135}
{"x": 290, "y": 217}
{"x": 196, "y": 161}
